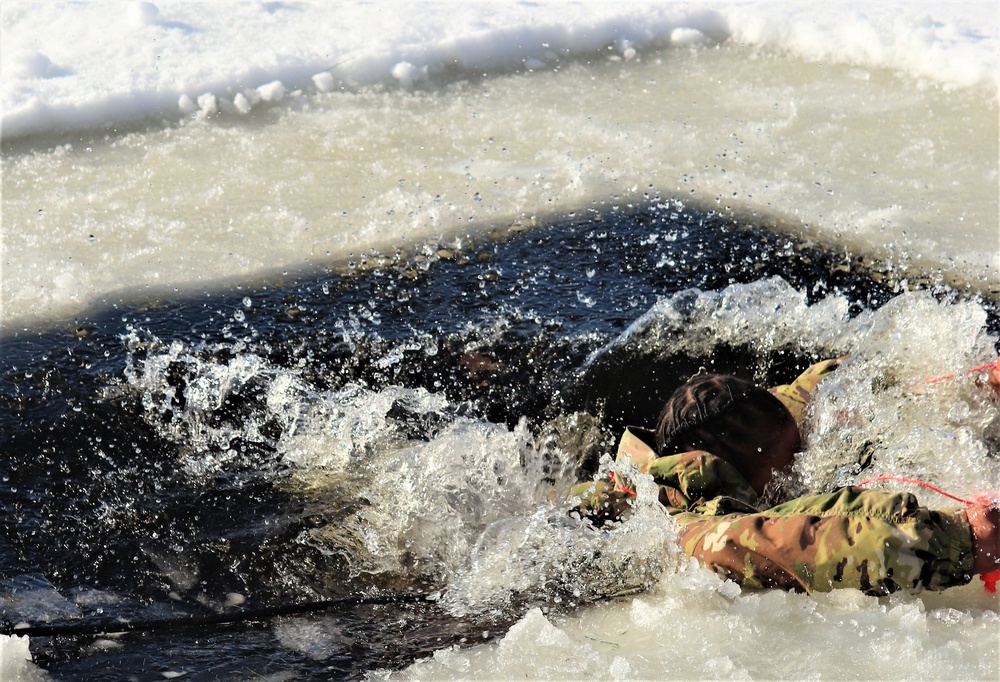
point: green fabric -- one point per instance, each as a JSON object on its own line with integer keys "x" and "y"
{"x": 874, "y": 541}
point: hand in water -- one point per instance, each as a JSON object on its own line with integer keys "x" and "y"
{"x": 993, "y": 379}
{"x": 984, "y": 519}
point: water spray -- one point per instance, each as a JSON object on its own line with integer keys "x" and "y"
{"x": 974, "y": 370}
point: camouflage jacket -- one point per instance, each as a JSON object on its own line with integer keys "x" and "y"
{"x": 875, "y": 541}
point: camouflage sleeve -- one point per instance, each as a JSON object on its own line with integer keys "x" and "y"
{"x": 686, "y": 480}
{"x": 796, "y": 395}
{"x": 871, "y": 540}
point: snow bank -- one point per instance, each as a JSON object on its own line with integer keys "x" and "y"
{"x": 83, "y": 65}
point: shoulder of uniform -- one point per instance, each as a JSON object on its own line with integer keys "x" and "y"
{"x": 639, "y": 445}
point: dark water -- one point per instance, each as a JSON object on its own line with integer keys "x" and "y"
{"x": 101, "y": 522}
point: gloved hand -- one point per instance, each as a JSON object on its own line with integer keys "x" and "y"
{"x": 600, "y": 503}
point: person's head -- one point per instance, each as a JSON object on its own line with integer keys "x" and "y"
{"x": 733, "y": 419}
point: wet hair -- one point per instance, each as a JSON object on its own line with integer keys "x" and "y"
{"x": 733, "y": 419}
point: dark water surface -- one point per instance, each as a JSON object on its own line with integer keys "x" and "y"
{"x": 100, "y": 522}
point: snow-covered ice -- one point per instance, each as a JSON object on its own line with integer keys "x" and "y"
{"x": 73, "y": 65}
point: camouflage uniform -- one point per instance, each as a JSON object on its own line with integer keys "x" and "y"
{"x": 874, "y": 541}
{"x": 796, "y": 395}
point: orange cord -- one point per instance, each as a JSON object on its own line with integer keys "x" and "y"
{"x": 988, "y": 365}
{"x": 623, "y": 489}
{"x": 915, "y": 481}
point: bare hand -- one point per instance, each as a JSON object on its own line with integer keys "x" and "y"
{"x": 993, "y": 379}
{"x": 985, "y": 523}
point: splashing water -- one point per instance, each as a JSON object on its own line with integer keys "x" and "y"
{"x": 299, "y": 455}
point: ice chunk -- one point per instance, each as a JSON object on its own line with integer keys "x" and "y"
{"x": 186, "y": 105}
{"x": 323, "y": 81}
{"x": 241, "y": 103}
{"x": 142, "y": 13}
{"x": 534, "y": 630}
{"x": 687, "y": 36}
{"x": 272, "y": 92}
{"x": 208, "y": 105}
{"x": 15, "y": 661}
{"x": 33, "y": 65}
{"x": 408, "y": 74}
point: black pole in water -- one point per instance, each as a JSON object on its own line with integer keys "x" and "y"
{"x": 246, "y": 616}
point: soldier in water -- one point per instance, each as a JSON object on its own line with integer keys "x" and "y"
{"x": 719, "y": 441}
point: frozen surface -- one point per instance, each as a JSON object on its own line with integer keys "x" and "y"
{"x": 72, "y": 65}
{"x": 311, "y": 132}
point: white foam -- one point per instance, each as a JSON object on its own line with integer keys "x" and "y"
{"x": 935, "y": 432}
{"x": 696, "y": 322}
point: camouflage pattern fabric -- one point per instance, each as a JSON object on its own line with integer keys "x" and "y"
{"x": 796, "y": 395}
{"x": 874, "y": 541}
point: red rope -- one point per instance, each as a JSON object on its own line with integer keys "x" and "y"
{"x": 988, "y": 365}
{"x": 623, "y": 489}
{"x": 903, "y": 479}
{"x": 990, "y": 579}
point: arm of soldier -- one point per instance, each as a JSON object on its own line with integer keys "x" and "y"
{"x": 873, "y": 541}
{"x": 796, "y": 395}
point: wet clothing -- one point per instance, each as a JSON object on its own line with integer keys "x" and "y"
{"x": 796, "y": 395}
{"x": 875, "y": 541}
